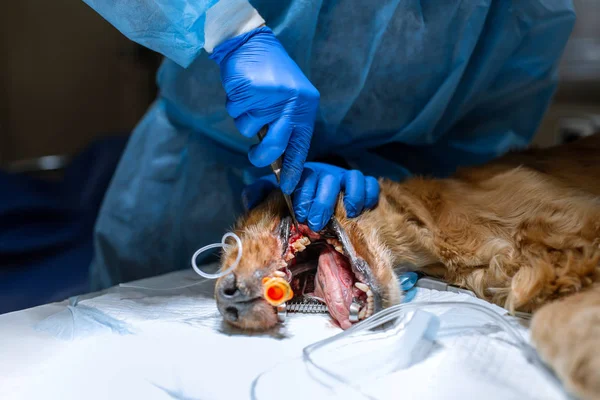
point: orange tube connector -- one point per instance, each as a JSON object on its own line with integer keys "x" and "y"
{"x": 276, "y": 290}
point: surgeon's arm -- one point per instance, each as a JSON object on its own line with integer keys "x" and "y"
{"x": 179, "y": 29}
{"x": 264, "y": 86}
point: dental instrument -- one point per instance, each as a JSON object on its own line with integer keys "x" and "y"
{"x": 276, "y": 167}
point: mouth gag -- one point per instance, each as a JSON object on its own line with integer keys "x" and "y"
{"x": 376, "y": 358}
{"x": 314, "y": 305}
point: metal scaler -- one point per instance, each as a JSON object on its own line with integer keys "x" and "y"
{"x": 276, "y": 167}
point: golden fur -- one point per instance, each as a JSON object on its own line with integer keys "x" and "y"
{"x": 522, "y": 232}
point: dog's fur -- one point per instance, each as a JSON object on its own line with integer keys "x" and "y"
{"x": 522, "y": 232}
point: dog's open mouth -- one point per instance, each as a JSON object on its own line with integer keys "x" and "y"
{"x": 324, "y": 267}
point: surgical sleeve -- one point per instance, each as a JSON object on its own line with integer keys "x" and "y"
{"x": 179, "y": 29}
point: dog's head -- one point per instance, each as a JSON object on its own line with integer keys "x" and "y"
{"x": 343, "y": 265}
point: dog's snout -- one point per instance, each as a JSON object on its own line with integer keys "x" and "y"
{"x": 228, "y": 289}
{"x": 232, "y": 302}
{"x": 231, "y": 313}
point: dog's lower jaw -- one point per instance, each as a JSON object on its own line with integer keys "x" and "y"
{"x": 395, "y": 295}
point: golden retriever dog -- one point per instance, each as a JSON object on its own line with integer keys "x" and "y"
{"x": 522, "y": 232}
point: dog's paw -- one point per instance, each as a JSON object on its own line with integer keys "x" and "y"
{"x": 566, "y": 333}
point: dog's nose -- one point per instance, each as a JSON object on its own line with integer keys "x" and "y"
{"x": 231, "y": 313}
{"x": 228, "y": 290}
{"x": 230, "y": 300}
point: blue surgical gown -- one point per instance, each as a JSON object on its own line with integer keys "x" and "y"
{"x": 407, "y": 87}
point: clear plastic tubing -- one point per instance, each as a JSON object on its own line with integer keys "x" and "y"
{"x": 214, "y": 245}
{"x": 394, "y": 312}
{"x": 198, "y": 270}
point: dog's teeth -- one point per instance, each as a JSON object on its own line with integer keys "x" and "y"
{"x": 362, "y": 313}
{"x": 336, "y": 244}
{"x": 289, "y": 256}
{"x": 300, "y": 244}
{"x": 280, "y": 274}
{"x": 299, "y": 247}
{"x": 304, "y": 241}
{"x": 369, "y": 293}
{"x": 362, "y": 286}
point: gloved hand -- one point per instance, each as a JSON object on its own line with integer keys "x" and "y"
{"x": 265, "y": 86}
{"x": 316, "y": 195}
{"x": 407, "y": 281}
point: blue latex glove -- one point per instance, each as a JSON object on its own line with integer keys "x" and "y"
{"x": 265, "y": 86}
{"x": 316, "y": 195}
{"x": 407, "y": 281}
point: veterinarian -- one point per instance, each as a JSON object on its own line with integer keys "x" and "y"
{"x": 386, "y": 87}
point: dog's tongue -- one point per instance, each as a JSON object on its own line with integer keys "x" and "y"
{"x": 334, "y": 284}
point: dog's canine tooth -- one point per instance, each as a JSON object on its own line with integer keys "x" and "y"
{"x": 361, "y": 286}
{"x": 280, "y": 274}
{"x": 339, "y": 249}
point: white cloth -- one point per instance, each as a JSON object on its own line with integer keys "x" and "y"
{"x": 158, "y": 344}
